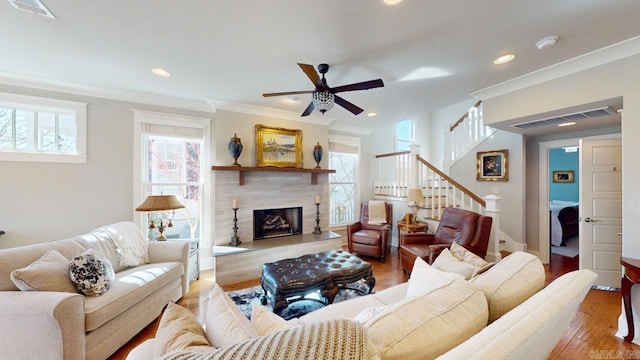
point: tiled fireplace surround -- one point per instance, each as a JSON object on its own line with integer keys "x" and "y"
{"x": 264, "y": 190}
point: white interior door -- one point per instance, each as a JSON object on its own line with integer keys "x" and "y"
{"x": 601, "y": 209}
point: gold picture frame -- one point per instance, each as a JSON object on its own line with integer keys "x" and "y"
{"x": 278, "y": 147}
{"x": 492, "y": 165}
{"x": 563, "y": 176}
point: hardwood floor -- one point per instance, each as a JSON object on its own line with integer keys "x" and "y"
{"x": 590, "y": 335}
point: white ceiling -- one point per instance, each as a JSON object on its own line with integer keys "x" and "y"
{"x": 233, "y": 51}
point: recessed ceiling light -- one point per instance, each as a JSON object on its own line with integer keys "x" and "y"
{"x": 392, "y": 2}
{"x": 425, "y": 73}
{"x": 504, "y": 59}
{"x": 372, "y": 114}
{"x": 293, "y": 99}
{"x": 567, "y": 123}
{"x": 160, "y": 72}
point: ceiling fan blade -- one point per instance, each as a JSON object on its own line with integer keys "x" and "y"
{"x": 288, "y": 93}
{"x": 347, "y": 105}
{"x": 308, "y": 110}
{"x": 365, "y": 85}
{"x": 312, "y": 74}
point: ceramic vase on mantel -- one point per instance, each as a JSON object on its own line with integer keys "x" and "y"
{"x": 317, "y": 155}
{"x": 235, "y": 149}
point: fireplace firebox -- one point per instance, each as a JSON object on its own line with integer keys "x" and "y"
{"x": 269, "y": 223}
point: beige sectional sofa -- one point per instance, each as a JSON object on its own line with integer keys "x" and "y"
{"x": 503, "y": 313}
{"x": 69, "y": 325}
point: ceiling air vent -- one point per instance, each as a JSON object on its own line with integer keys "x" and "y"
{"x": 32, "y": 6}
{"x": 577, "y": 117}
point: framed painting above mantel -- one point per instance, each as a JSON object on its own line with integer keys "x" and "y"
{"x": 278, "y": 147}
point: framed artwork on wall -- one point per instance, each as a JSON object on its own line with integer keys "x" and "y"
{"x": 278, "y": 147}
{"x": 563, "y": 176}
{"x": 492, "y": 165}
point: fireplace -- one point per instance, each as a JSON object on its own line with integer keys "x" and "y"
{"x": 269, "y": 223}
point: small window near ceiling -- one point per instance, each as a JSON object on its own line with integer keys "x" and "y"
{"x": 42, "y": 129}
{"x": 405, "y": 134}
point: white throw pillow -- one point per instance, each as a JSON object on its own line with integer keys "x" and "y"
{"x": 224, "y": 323}
{"x": 179, "y": 329}
{"x": 266, "y": 322}
{"x": 448, "y": 263}
{"x": 49, "y": 273}
{"x": 424, "y": 278}
{"x": 464, "y": 255}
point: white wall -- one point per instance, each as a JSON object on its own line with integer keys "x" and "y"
{"x": 437, "y": 131}
{"x": 48, "y": 201}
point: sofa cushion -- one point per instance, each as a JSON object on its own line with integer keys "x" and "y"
{"x": 461, "y": 253}
{"x": 534, "y": 327}
{"x": 179, "y": 330}
{"x": 266, "y": 322}
{"x": 423, "y": 327}
{"x": 510, "y": 282}
{"x": 102, "y": 241}
{"x": 224, "y": 323}
{"x": 329, "y": 340}
{"x": 129, "y": 288}
{"x": 48, "y": 273}
{"x": 425, "y": 278}
{"x": 450, "y": 264}
{"x": 130, "y": 242}
{"x": 91, "y": 273}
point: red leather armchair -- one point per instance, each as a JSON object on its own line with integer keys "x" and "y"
{"x": 368, "y": 239}
{"x": 467, "y": 228}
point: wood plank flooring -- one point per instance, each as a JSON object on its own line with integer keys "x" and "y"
{"x": 590, "y": 335}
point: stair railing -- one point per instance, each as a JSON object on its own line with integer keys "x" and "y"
{"x": 467, "y": 132}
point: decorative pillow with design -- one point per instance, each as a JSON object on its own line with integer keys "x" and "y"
{"x": 425, "y": 278}
{"x": 449, "y": 263}
{"x": 49, "y": 273}
{"x": 464, "y": 255}
{"x": 179, "y": 330}
{"x": 91, "y": 273}
{"x": 266, "y": 322}
{"x": 224, "y": 323}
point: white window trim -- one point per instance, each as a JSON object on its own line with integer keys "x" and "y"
{"x": 141, "y": 117}
{"x": 47, "y": 104}
{"x": 353, "y": 141}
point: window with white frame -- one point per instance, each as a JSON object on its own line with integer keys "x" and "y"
{"x": 343, "y": 184}
{"x": 42, "y": 129}
{"x": 405, "y": 134}
{"x": 172, "y": 163}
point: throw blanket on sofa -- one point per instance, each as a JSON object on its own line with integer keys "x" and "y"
{"x": 335, "y": 339}
{"x": 377, "y": 212}
{"x": 132, "y": 246}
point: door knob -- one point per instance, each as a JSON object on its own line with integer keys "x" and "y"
{"x": 590, "y": 220}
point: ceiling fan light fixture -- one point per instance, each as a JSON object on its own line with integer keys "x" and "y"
{"x": 323, "y": 100}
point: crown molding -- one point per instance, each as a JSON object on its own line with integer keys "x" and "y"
{"x": 112, "y": 94}
{"x": 574, "y": 65}
{"x": 268, "y": 112}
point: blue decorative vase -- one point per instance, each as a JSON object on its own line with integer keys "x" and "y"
{"x": 317, "y": 154}
{"x": 235, "y": 149}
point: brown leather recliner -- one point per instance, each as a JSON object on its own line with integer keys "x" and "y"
{"x": 368, "y": 239}
{"x": 466, "y": 228}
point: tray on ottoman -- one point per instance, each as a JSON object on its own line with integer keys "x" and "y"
{"x": 328, "y": 272}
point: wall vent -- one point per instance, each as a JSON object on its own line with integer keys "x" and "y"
{"x": 32, "y": 6}
{"x": 577, "y": 117}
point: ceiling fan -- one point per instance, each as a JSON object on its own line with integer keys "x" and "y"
{"x": 324, "y": 96}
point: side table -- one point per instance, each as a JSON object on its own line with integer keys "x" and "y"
{"x": 194, "y": 258}
{"x": 631, "y": 277}
{"x": 411, "y": 228}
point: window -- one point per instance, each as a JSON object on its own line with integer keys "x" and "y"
{"x": 40, "y": 129}
{"x": 405, "y": 134}
{"x": 343, "y": 157}
{"x": 172, "y": 163}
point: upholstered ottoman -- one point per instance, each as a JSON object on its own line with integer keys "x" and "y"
{"x": 328, "y": 272}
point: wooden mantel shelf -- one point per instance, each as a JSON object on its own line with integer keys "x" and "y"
{"x": 242, "y": 169}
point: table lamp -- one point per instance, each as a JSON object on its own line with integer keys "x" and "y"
{"x": 154, "y": 203}
{"x": 414, "y": 197}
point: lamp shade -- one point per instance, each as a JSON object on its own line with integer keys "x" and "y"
{"x": 415, "y": 196}
{"x": 160, "y": 203}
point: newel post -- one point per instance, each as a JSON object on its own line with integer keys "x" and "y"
{"x": 492, "y": 208}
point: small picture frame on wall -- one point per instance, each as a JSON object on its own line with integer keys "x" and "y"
{"x": 563, "y": 176}
{"x": 492, "y": 165}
